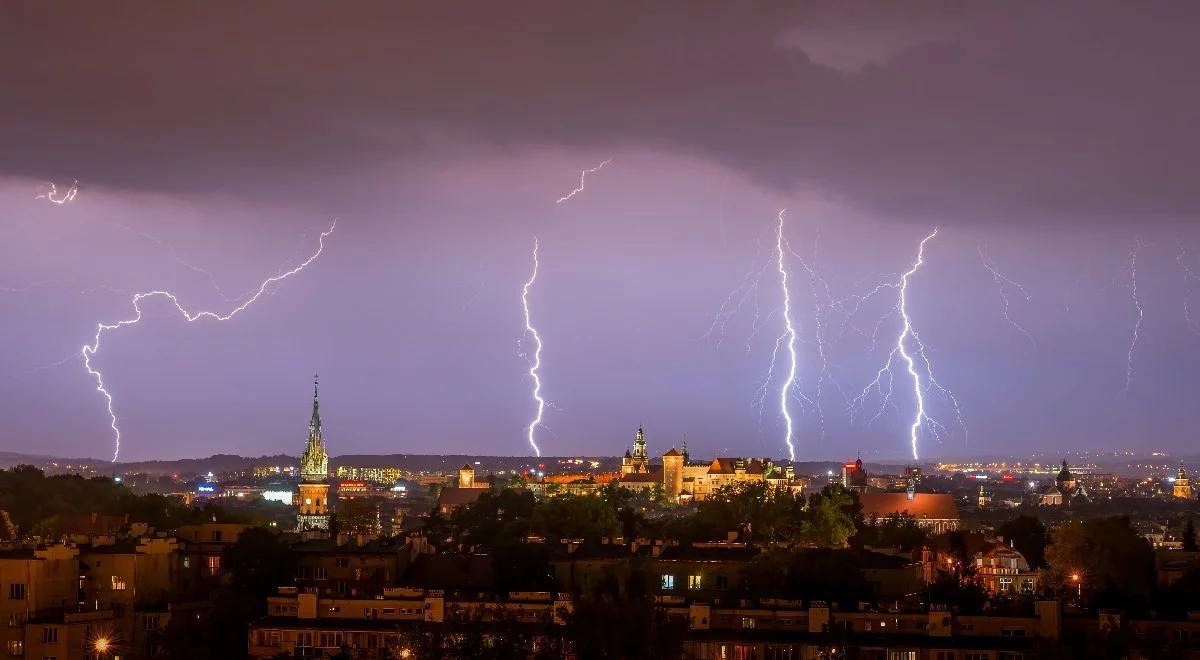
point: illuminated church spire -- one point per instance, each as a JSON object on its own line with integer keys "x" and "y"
{"x": 314, "y": 464}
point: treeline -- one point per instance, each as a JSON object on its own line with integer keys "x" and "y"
{"x": 31, "y": 502}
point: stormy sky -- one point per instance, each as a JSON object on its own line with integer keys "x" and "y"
{"x": 213, "y": 142}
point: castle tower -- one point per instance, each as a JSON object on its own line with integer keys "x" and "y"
{"x": 637, "y": 461}
{"x": 466, "y": 476}
{"x": 1183, "y": 486}
{"x": 673, "y": 474}
{"x": 314, "y": 476}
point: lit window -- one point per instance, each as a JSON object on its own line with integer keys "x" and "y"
{"x": 668, "y": 582}
{"x": 187, "y": 561}
{"x": 747, "y": 622}
{"x": 16, "y": 591}
{"x": 308, "y": 500}
{"x": 214, "y": 564}
{"x": 118, "y": 583}
{"x": 693, "y": 582}
{"x": 16, "y": 648}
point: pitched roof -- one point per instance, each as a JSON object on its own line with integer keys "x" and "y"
{"x": 459, "y": 496}
{"x": 727, "y": 465}
{"x": 641, "y": 477}
{"x": 673, "y": 452}
{"x": 930, "y": 506}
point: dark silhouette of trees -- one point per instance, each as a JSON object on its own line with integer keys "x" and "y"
{"x": 1189, "y": 537}
{"x": 1028, "y": 536}
{"x": 1114, "y": 564}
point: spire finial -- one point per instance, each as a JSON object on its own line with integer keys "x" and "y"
{"x": 315, "y": 380}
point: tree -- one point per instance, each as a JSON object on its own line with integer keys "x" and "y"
{"x": 358, "y": 515}
{"x": 1028, "y": 536}
{"x": 895, "y": 531}
{"x": 827, "y": 523}
{"x": 1189, "y": 536}
{"x": 1113, "y": 564}
{"x": 494, "y": 518}
{"x": 575, "y": 517}
{"x": 618, "y": 618}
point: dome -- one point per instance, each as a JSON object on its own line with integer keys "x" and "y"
{"x": 1064, "y": 474}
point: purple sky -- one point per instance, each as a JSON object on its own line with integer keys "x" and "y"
{"x": 228, "y": 135}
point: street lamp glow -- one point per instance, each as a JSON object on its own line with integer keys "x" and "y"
{"x": 101, "y": 644}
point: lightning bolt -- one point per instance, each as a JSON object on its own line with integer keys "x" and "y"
{"x": 536, "y": 363}
{"x": 90, "y": 350}
{"x": 902, "y": 352}
{"x": 1002, "y": 284}
{"x": 1137, "y": 305}
{"x": 737, "y": 298}
{"x": 582, "y": 178}
{"x": 1188, "y": 274}
{"x": 790, "y": 336}
{"x": 51, "y": 193}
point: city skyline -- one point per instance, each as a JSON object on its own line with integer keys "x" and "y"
{"x": 1056, "y": 303}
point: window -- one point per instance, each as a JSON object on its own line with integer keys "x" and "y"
{"x": 693, "y": 582}
{"x": 341, "y": 562}
{"x": 49, "y": 635}
{"x": 16, "y": 591}
{"x": 118, "y": 583}
{"x": 747, "y": 622}
{"x": 150, "y": 623}
{"x": 16, "y": 620}
{"x": 214, "y": 564}
{"x": 975, "y": 656}
{"x": 722, "y": 582}
{"x": 216, "y": 535}
{"x": 1012, "y": 632}
{"x": 1005, "y": 585}
{"x": 902, "y": 655}
{"x": 16, "y": 648}
{"x": 668, "y": 582}
{"x": 187, "y": 561}
{"x": 1009, "y": 655}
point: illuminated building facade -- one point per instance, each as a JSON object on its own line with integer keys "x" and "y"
{"x": 314, "y": 477}
{"x": 1183, "y": 486}
{"x": 682, "y": 480}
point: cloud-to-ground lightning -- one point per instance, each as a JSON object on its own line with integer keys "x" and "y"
{"x": 535, "y": 363}
{"x": 51, "y": 193}
{"x": 787, "y": 340}
{"x": 582, "y": 179}
{"x": 908, "y": 335}
{"x": 1137, "y": 305}
{"x": 1189, "y": 275}
{"x": 90, "y": 350}
{"x": 1003, "y": 283}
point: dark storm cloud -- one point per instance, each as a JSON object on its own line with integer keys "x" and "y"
{"x": 1057, "y": 113}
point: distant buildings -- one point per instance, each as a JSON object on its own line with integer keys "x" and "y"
{"x": 682, "y": 480}
{"x": 1066, "y": 489}
{"x": 466, "y": 492}
{"x": 935, "y": 512}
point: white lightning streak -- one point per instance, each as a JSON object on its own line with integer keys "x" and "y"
{"x": 90, "y": 350}
{"x": 536, "y": 363}
{"x": 790, "y": 335}
{"x": 909, "y": 334}
{"x": 51, "y": 193}
{"x": 582, "y": 178}
{"x": 1002, "y": 284}
{"x": 1137, "y": 305}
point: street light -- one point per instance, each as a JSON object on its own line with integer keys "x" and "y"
{"x": 1078, "y": 584}
{"x": 101, "y": 645}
